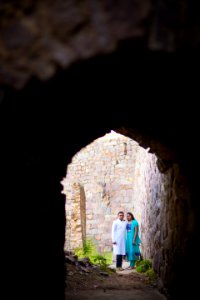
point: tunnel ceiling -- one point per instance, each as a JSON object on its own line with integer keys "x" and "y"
{"x": 36, "y": 37}
{"x": 48, "y": 48}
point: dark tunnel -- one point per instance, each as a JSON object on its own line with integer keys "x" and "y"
{"x": 151, "y": 96}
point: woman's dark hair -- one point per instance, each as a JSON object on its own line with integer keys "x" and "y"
{"x": 132, "y": 216}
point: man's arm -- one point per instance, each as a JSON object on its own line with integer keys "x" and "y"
{"x": 113, "y": 232}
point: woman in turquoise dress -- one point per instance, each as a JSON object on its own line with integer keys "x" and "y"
{"x": 132, "y": 240}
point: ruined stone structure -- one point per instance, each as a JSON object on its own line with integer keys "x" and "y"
{"x": 58, "y": 48}
{"x": 113, "y": 173}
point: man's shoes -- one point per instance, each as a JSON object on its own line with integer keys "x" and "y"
{"x": 120, "y": 269}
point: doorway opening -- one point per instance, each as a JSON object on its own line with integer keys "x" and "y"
{"x": 110, "y": 174}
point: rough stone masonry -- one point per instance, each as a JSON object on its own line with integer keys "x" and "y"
{"x": 113, "y": 173}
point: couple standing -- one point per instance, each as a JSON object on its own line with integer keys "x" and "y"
{"x": 125, "y": 240}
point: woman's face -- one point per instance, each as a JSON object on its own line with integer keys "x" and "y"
{"x": 129, "y": 218}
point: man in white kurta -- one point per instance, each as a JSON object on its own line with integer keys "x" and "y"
{"x": 118, "y": 239}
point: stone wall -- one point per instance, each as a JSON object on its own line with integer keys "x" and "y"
{"x": 116, "y": 174}
{"x": 149, "y": 194}
{"x": 173, "y": 227}
{"x": 76, "y": 228}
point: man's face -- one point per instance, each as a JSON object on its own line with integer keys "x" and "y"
{"x": 121, "y": 216}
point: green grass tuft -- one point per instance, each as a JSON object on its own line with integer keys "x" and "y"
{"x": 89, "y": 250}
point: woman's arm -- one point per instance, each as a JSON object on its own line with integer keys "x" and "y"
{"x": 135, "y": 234}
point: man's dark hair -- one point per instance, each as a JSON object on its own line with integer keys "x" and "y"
{"x": 120, "y": 212}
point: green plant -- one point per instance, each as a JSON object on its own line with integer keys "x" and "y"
{"x": 101, "y": 261}
{"x": 89, "y": 250}
{"x": 151, "y": 275}
{"x": 143, "y": 265}
{"x": 108, "y": 256}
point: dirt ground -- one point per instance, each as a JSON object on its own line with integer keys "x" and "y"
{"x": 128, "y": 285}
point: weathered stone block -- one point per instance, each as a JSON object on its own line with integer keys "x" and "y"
{"x": 98, "y": 237}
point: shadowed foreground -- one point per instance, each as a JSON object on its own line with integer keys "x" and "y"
{"x": 127, "y": 284}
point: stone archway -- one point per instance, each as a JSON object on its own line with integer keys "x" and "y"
{"x": 36, "y": 51}
{"x": 114, "y": 173}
